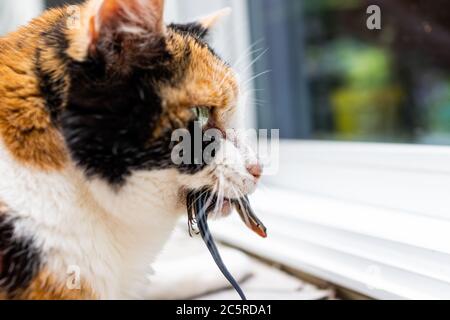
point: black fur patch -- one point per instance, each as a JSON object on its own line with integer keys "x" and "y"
{"x": 55, "y": 36}
{"x": 52, "y": 88}
{"x": 20, "y": 260}
{"x": 109, "y": 122}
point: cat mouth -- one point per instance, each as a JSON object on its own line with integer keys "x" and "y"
{"x": 217, "y": 206}
{"x": 224, "y": 209}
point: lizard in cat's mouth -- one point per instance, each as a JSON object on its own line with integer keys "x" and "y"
{"x": 201, "y": 203}
{"x": 217, "y": 206}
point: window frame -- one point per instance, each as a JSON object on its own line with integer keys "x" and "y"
{"x": 403, "y": 177}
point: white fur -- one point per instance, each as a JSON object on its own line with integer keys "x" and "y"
{"x": 111, "y": 237}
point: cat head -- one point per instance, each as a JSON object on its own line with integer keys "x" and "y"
{"x": 131, "y": 81}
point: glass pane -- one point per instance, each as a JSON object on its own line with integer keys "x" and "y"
{"x": 15, "y": 13}
{"x": 331, "y": 77}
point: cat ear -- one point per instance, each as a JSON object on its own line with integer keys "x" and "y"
{"x": 209, "y": 21}
{"x": 127, "y": 16}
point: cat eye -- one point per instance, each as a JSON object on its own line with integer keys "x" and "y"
{"x": 202, "y": 114}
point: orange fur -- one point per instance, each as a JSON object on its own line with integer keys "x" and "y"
{"x": 207, "y": 82}
{"x": 3, "y": 208}
{"x": 25, "y": 124}
{"x": 82, "y": 33}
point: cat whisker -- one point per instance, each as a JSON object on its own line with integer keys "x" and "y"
{"x": 198, "y": 197}
{"x": 220, "y": 196}
{"x": 219, "y": 190}
{"x": 212, "y": 199}
{"x": 256, "y": 59}
{"x": 248, "y": 52}
{"x": 247, "y": 81}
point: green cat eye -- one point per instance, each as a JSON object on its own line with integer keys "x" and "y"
{"x": 202, "y": 114}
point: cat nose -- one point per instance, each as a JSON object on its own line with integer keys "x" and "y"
{"x": 255, "y": 170}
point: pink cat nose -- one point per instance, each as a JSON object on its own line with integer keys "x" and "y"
{"x": 255, "y": 170}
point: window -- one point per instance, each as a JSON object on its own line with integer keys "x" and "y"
{"x": 331, "y": 78}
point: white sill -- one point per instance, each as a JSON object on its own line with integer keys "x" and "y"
{"x": 384, "y": 254}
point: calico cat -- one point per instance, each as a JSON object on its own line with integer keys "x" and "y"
{"x": 87, "y": 111}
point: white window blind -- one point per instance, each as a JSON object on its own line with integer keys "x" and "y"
{"x": 370, "y": 217}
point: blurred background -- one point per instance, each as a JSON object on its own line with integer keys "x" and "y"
{"x": 360, "y": 203}
{"x": 333, "y": 79}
